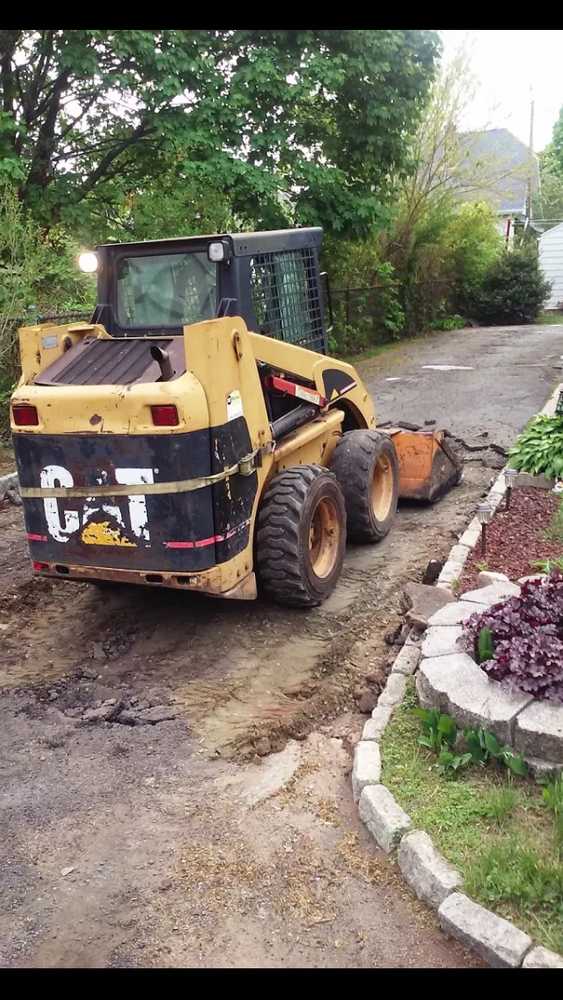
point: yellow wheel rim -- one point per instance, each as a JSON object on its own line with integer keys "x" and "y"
{"x": 382, "y": 488}
{"x": 324, "y": 538}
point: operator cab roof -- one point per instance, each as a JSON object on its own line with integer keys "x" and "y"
{"x": 243, "y": 244}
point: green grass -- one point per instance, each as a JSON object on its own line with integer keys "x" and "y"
{"x": 494, "y": 828}
{"x": 547, "y": 318}
{"x": 371, "y": 352}
{"x": 555, "y": 530}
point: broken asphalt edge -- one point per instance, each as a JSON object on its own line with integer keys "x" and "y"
{"x": 433, "y": 879}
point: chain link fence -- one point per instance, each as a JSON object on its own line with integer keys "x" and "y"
{"x": 365, "y": 317}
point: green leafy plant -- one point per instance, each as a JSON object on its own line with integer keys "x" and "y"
{"x": 474, "y": 740}
{"x": 505, "y": 754}
{"x": 539, "y": 448}
{"x": 438, "y": 730}
{"x": 440, "y": 733}
{"x": 484, "y": 649}
{"x": 483, "y": 745}
{"x": 449, "y": 763}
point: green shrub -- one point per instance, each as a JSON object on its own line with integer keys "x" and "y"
{"x": 513, "y": 290}
{"x": 474, "y": 245}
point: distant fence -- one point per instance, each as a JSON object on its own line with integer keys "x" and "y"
{"x": 369, "y": 315}
{"x": 14, "y": 322}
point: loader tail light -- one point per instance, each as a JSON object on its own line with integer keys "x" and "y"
{"x": 25, "y": 415}
{"x": 165, "y": 415}
{"x": 38, "y": 566}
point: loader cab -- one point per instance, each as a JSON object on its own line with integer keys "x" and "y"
{"x": 270, "y": 279}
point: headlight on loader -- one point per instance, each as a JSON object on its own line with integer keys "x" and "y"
{"x": 88, "y": 262}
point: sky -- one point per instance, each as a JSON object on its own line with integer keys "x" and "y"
{"x": 507, "y": 64}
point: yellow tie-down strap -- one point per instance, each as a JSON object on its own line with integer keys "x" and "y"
{"x": 245, "y": 467}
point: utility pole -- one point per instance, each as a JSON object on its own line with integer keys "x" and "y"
{"x": 530, "y": 161}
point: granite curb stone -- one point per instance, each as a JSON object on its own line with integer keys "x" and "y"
{"x": 383, "y": 816}
{"x": 542, "y": 958}
{"x": 366, "y": 769}
{"x": 495, "y": 939}
{"x": 424, "y": 868}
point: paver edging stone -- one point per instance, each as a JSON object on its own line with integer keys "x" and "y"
{"x": 512, "y": 947}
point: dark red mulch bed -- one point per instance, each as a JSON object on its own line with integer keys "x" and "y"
{"x": 516, "y": 538}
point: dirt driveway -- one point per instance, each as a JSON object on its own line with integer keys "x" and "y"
{"x": 221, "y": 831}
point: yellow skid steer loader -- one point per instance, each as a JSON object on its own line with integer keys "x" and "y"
{"x": 196, "y": 435}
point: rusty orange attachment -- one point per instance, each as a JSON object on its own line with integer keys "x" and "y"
{"x": 428, "y": 466}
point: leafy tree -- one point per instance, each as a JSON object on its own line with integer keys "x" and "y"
{"x": 557, "y": 142}
{"x": 286, "y": 124}
{"x": 38, "y": 275}
{"x": 474, "y": 244}
{"x": 548, "y": 204}
{"x": 437, "y": 244}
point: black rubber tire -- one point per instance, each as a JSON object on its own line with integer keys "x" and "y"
{"x": 283, "y": 558}
{"x": 354, "y": 463}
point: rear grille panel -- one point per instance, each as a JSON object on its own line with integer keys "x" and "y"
{"x": 119, "y": 361}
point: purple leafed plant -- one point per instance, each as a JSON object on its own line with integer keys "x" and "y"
{"x": 527, "y": 633}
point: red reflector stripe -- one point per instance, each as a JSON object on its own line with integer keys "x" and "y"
{"x": 36, "y": 538}
{"x": 293, "y": 389}
{"x": 202, "y": 542}
{"x": 40, "y": 565}
{"x": 25, "y": 415}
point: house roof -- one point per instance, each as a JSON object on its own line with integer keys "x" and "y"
{"x": 553, "y": 229}
{"x": 505, "y": 159}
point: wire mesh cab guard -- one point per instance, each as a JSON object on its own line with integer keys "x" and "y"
{"x": 286, "y": 297}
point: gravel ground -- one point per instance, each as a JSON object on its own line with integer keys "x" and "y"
{"x": 225, "y": 834}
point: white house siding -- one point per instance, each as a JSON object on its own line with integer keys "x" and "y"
{"x": 551, "y": 263}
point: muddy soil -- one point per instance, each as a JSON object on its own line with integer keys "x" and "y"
{"x": 242, "y": 675}
{"x": 174, "y": 843}
{"x": 219, "y": 829}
